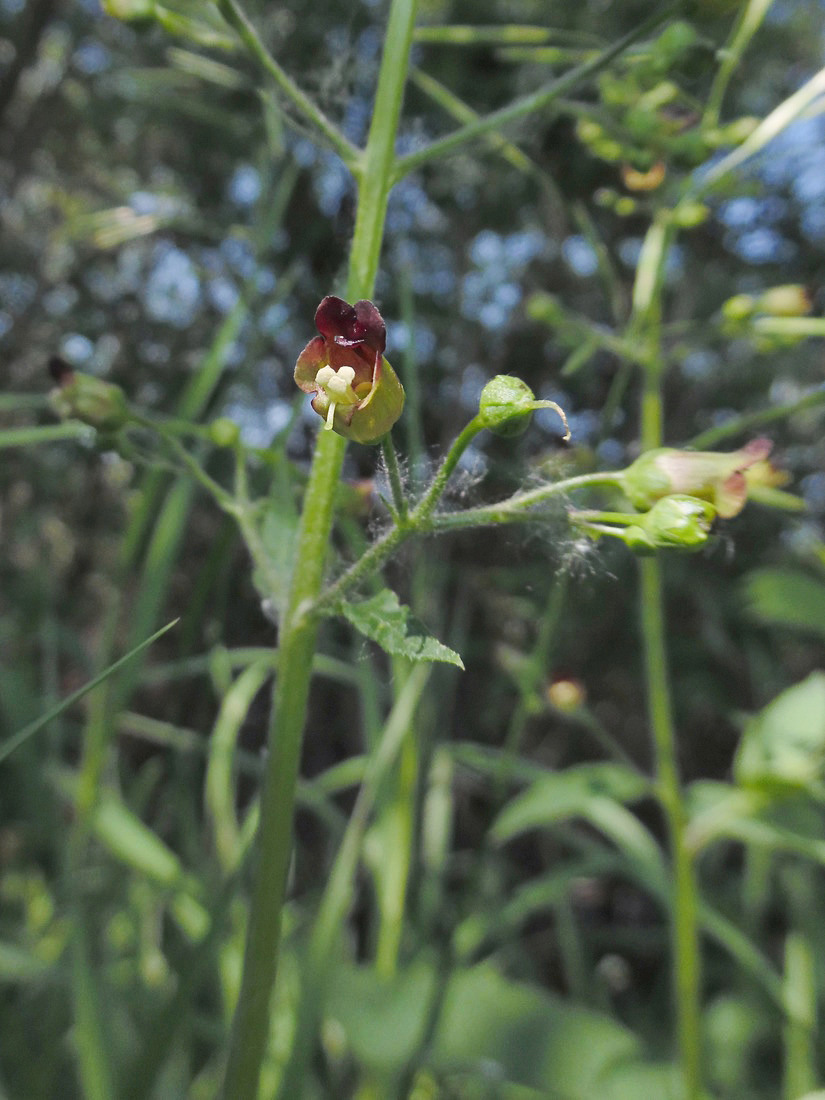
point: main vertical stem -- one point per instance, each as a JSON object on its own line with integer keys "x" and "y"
{"x": 686, "y": 968}
{"x": 684, "y": 896}
{"x": 250, "y": 1026}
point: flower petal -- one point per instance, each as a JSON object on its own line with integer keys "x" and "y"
{"x": 312, "y": 358}
{"x": 349, "y": 325}
{"x": 731, "y": 495}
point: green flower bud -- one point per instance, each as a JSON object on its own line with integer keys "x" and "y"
{"x": 129, "y": 10}
{"x": 676, "y": 40}
{"x": 739, "y": 130}
{"x": 99, "y": 404}
{"x": 739, "y": 308}
{"x": 224, "y": 432}
{"x": 687, "y": 215}
{"x": 506, "y": 403}
{"x": 354, "y": 388}
{"x": 678, "y": 522}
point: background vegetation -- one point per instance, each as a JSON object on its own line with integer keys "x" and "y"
{"x": 495, "y": 906}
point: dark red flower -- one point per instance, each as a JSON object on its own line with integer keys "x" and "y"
{"x": 353, "y": 386}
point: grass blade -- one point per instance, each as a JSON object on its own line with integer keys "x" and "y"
{"x": 34, "y": 727}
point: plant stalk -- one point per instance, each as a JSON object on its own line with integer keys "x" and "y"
{"x": 647, "y": 321}
{"x": 299, "y": 631}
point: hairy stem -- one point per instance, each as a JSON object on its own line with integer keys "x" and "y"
{"x": 299, "y": 631}
{"x": 312, "y": 113}
{"x": 647, "y": 322}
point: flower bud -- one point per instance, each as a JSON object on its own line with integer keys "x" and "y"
{"x": 99, "y": 404}
{"x": 678, "y": 522}
{"x": 224, "y": 432}
{"x": 740, "y": 307}
{"x": 129, "y": 10}
{"x": 354, "y": 388}
{"x": 506, "y": 403}
{"x": 791, "y": 300}
{"x": 714, "y": 477}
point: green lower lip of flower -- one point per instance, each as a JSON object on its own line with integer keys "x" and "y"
{"x": 362, "y": 418}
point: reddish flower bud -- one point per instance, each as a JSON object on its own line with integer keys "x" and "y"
{"x": 354, "y": 388}
{"x": 715, "y": 477}
{"x": 100, "y": 404}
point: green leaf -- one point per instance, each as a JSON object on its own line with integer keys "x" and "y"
{"x": 385, "y": 1020}
{"x": 279, "y": 534}
{"x": 785, "y": 743}
{"x": 570, "y": 793}
{"x": 526, "y": 1036}
{"x": 392, "y": 625}
{"x": 635, "y": 1079}
{"x": 786, "y": 598}
{"x": 19, "y": 965}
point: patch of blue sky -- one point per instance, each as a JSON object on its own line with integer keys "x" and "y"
{"x": 429, "y": 265}
{"x": 76, "y": 348}
{"x": 611, "y": 453}
{"x": 331, "y": 182}
{"x": 700, "y": 364}
{"x": 356, "y": 120}
{"x": 580, "y": 256}
{"x": 409, "y": 208}
{"x": 91, "y": 57}
{"x": 222, "y": 293}
{"x": 305, "y": 152}
{"x": 762, "y": 245}
{"x": 273, "y": 318}
{"x": 473, "y": 380}
{"x": 813, "y": 222}
{"x": 473, "y": 462}
{"x": 487, "y": 300}
{"x": 239, "y": 254}
{"x": 398, "y": 339}
{"x": 60, "y": 300}
{"x": 739, "y": 212}
{"x": 584, "y": 425}
{"x": 813, "y": 491}
{"x": 172, "y": 293}
{"x": 17, "y": 291}
{"x": 245, "y": 186}
{"x": 512, "y": 250}
{"x": 265, "y": 280}
{"x": 258, "y": 423}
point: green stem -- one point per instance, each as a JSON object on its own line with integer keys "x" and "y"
{"x": 738, "y": 424}
{"x": 518, "y": 508}
{"x": 526, "y": 105}
{"x": 299, "y": 631}
{"x": 515, "y": 509}
{"x": 748, "y": 22}
{"x": 769, "y": 128}
{"x": 647, "y": 321}
{"x": 237, "y": 18}
{"x": 394, "y": 475}
{"x": 428, "y": 502}
{"x": 685, "y": 905}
